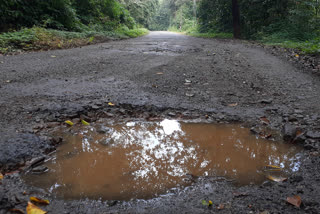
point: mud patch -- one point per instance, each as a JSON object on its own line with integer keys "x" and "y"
{"x": 137, "y": 159}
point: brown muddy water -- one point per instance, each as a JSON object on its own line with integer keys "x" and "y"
{"x": 140, "y": 160}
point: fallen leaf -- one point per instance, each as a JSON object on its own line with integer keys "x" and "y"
{"x": 39, "y": 201}
{"x": 299, "y": 133}
{"x": 33, "y": 209}
{"x": 273, "y": 167}
{"x": 265, "y": 120}
{"x": 85, "y": 123}
{"x": 1, "y": 176}
{"x": 69, "y": 123}
{"x": 294, "y": 200}
{"x": 233, "y": 104}
{"x": 111, "y": 104}
{"x": 210, "y": 203}
{"x": 277, "y": 179}
{"x": 204, "y": 202}
{"x": 16, "y": 211}
{"x": 297, "y": 55}
{"x": 160, "y": 73}
{"x": 220, "y": 207}
{"x": 53, "y": 56}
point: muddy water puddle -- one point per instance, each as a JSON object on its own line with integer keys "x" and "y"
{"x": 144, "y": 159}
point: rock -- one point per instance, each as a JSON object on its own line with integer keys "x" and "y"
{"x": 254, "y": 130}
{"x": 310, "y": 144}
{"x": 106, "y": 141}
{"x": 289, "y": 132}
{"x": 313, "y": 134}
{"x": 189, "y": 94}
{"x": 266, "y": 101}
{"x": 171, "y": 114}
{"x": 103, "y": 129}
{"x": 95, "y": 107}
{"x": 297, "y": 178}
{"x": 37, "y": 161}
{"x": 39, "y": 169}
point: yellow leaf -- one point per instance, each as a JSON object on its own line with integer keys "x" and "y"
{"x": 85, "y": 123}
{"x": 39, "y": 201}
{"x": 111, "y": 104}
{"x": 33, "y": 209}
{"x": 210, "y": 203}
{"x": 69, "y": 122}
{"x": 296, "y": 55}
{"x": 274, "y": 167}
{"x": 1, "y": 176}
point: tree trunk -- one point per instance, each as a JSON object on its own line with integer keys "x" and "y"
{"x": 236, "y": 19}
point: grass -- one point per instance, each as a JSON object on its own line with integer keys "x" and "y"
{"x": 36, "y": 38}
{"x": 307, "y": 47}
{"x": 211, "y": 35}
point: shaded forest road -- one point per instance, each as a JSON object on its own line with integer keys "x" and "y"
{"x": 164, "y": 71}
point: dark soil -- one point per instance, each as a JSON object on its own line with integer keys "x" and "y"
{"x": 146, "y": 78}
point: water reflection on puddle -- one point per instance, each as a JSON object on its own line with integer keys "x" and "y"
{"x": 143, "y": 159}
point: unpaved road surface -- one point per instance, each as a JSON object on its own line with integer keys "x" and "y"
{"x": 160, "y": 75}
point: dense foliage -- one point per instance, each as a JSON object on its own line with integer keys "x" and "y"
{"x": 75, "y": 15}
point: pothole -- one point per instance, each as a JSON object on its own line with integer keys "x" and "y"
{"x": 141, "y": 160}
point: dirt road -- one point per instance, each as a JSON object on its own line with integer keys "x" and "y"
{"x": 164, "y": 74}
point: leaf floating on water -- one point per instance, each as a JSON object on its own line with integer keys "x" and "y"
{"x": 265, "y": 120}
{"x": 85, "y": 123}
{"x": 277, "y": 179}
{"x": 294, "y": 200}
{"x": 111, "y": 104}
{"x": 39, "y": 201}
{"x": 69, "y": 123}
{"x": 233, "y": 104}
{"x": 33, "y": 209}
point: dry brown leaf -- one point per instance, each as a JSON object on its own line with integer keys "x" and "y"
{"x": 33, "y": 209}
{"x": 16, "y": 211}
{"x": 39, "y": 201}
{"x": 277, "y": 179}
{"x": 1, "y": 176}
{"x": 294, "y": 200}
{"x": 265, "y": 120}
{"x": 233, "y": 104}
{"x": 299, "y": 133}
{"x": 220, "y": 207}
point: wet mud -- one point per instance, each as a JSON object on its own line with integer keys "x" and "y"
{"x": 160, "y": 76}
